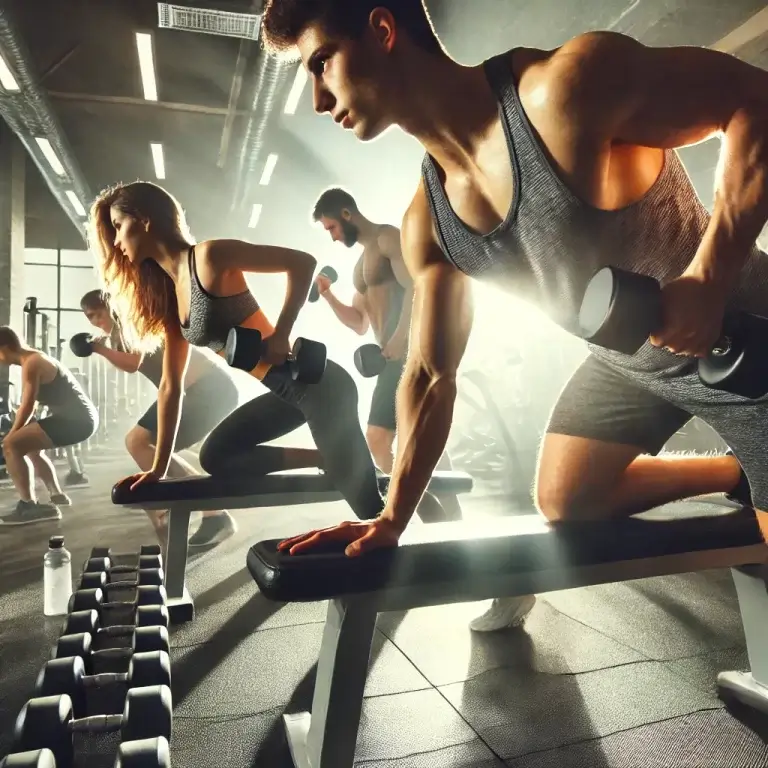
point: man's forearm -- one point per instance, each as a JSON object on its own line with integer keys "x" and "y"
{"x": 424, "y": 415}
{"x": 168, "y": 412}
{"x": 349, "y": 316}
{"x": 741, "y": 199}
{"x": 23, "y": 414}
{"x": 125, "y": 361}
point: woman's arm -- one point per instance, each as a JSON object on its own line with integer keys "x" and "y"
{"x": 169, "y": 394}
{"x": 247, "y": 257}
{"x": 125, "y": 361}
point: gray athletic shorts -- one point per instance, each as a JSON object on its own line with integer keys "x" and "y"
{"x": 602, "y": 401}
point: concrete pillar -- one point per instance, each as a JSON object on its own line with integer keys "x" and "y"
{"x": 12, "y": 205}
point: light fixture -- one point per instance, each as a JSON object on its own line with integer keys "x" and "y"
{"x": 269, "y": 168}
{"x": 147, "y": 65}
{"x": 255, "y": 215}
{"x": 158, "y": 159}
{"x": 76, "y": 204}
{"x": 292, "y": 102}
{"x": 51, "y": 156}
{"x": 7, "y": 80}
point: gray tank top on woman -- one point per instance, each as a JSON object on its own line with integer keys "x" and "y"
{"x": 63, "y": 395}
{"x": 551, "y": 243}
{"x": 211, "y": 317}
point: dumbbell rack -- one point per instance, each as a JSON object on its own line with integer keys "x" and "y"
{"x": 102, "y": 705}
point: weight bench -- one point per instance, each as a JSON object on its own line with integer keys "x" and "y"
{"x": 460, "y": 562}
{"x": 199, "y": 494}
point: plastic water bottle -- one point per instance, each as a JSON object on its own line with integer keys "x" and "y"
{"x": 57, "y": 577}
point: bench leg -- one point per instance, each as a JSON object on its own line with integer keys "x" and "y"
{"x": 180, "y": 605}
{"x": 750, "y": 688}
{"x": 326, "y": 738}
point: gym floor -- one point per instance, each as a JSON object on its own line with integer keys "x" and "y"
{"x": 617, "y": 676}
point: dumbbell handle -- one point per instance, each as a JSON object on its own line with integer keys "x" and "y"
{"x": 96, "y": 724}
{"x": 117, "y": 630}
{"x": 112, "y": 653}
{"x": 117, "y": 569}
{"x": 127, "y": 584}
{"x": 115, "y": 604}
{"x": 105, "y": 678}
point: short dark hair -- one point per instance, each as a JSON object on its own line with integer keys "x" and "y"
{"x": 332, "y": 202}
{"x": 284, "y": 20}
{"x": 95, "y": 299}
{"x": 9, "y": 338}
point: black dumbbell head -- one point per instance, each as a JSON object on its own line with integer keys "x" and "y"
{"x": 101, "y": 552}
{"x": 151, "y": 639}
{"x": 151, "y": 594}
{"x": 97, "y": 564}
{"x": 150, "y": 668}
{"x": 310, "y": 359}
{"x": 369, "y": 361}
{"x": 620, "y": 310}
{"x": 147, "y": 713}
{"x": 150, "y": 549}
{"x": 151, "y": 576}
{"x": 150, "y": 561}
{"x": 86, "y": 600}
{"x": 63, "y": 676}
{"x": 73, "y": 645}
{"x": 39, "y": 758}
{"x": 152, "y": 616}
{"x": 81, "y": 622}
{"x": 44, "y": 723}
{"x": 144, "y": 753}
{"x": 81, "y": 345}
{"x": 242, "y": 349}
{"x": 93, "y": 580}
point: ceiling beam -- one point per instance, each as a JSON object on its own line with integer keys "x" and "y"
{"x": 754, "y": 27}
{"x": 132, "y": 101}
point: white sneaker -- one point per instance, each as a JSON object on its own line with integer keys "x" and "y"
{"x": 505, "y": 612}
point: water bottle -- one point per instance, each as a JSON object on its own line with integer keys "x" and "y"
{"x": 57, "y": 577}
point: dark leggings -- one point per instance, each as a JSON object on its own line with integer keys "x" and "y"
{"x": 329, "y": 409}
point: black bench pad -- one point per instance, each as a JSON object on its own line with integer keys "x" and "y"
{"x": 208, "y": 487}
{"x": 517, "y": 545}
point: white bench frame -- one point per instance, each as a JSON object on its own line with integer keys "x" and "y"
{"x": 327, "y": 737}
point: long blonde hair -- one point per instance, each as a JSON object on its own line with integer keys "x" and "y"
{"x": 142, "y": 297}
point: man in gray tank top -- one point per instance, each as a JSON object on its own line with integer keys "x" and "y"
{"x": 541, "y": 167}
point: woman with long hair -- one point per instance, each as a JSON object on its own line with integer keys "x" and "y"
{"x": 169, "y": 290}
{"x": 210, "y": 395}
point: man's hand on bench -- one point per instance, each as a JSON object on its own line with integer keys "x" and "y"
{"x": 359, "y": 537}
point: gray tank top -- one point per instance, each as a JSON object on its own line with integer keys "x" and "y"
{"x": 63, "y": 395}
{"x": 551, "y": 243}
{"x": 211, "y": 317}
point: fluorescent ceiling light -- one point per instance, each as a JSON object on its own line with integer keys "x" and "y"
{"x": 51, "y": 156}
{"x": 158, "y": 159}
{"x": 255, "y": 215}
{"x": 76, "y": 204}
{"x": 292, "y": 102}
{"x": 147, "y": 65}
{"x": 269, "y": 167}
{"x": 7, "y": 80}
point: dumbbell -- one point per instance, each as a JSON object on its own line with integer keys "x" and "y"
{"x": 314, "y": 291}
{"x": 144, "y": 576}
{"x": 144, "y": 753}
{"x": 93, "y": 599}
{"x": 40, "y": 758}
{"x": 621, "y": 309}
{"x": 369, "y": 361}
{"x": 67, "y": 675}
{"x": 81, "y": 345}
{"x": 49, "y": 722}
{"x": 95, "y": 564}
{"x": 77, "y": 640}
{"x": 306, "y": 363}
{"x": 146, "y": 549}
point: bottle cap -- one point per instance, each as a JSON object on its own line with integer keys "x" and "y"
{"x": 56, "y": 542}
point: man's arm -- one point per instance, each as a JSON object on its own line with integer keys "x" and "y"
{"x": 627, "y": 93}
{"x": 30, "y": 384}
{"x": 440, "y": 328}
{"x": 389, "y": 242}
{"x": 355, "y": 317}
{"x": 125, "y": 361}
